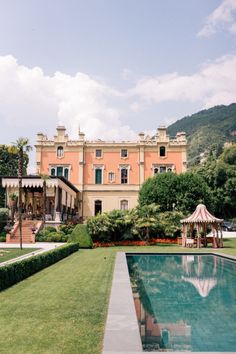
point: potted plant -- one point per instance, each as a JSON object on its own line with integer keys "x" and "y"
{"x": 33, "y": 228}
{"x": 12, "y": 199}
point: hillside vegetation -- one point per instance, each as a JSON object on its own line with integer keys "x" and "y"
{"x": 207, "y": 131}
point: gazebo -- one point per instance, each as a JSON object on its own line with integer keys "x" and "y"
{"x": 200, "y": 220}
{"x": 203, "y": 286}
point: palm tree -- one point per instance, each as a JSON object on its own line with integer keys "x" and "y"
{"x": 44, "y": 177}
{"x": 22, "y": 146}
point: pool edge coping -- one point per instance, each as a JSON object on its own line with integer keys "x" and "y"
{"x": 119, "y": 334}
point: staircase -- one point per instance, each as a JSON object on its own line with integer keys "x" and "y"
{"x": 27, "y": 234}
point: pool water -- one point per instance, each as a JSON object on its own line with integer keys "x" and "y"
{"x": 185, "y": 302}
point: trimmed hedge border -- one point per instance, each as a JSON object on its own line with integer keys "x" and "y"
{"x": 15, "y": 272}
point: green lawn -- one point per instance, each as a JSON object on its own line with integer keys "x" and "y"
{"x": 63, "y": 308}
{"x": 9, "y": 253}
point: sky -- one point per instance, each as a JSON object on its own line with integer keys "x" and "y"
{"x": 112, "y": 68}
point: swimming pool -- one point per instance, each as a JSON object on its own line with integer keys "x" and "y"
{"x": 184, "y": 302}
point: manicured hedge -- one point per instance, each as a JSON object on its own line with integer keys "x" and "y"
{"x": 80, "y": 234}
{"x": 15, "y": 272}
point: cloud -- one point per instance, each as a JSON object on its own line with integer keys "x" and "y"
{"x": 222, "y": 18}
{"x": 213, "y": 84}
{"x": 32, "y": 99}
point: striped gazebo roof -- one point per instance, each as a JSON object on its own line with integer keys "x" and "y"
{"x": 201, "y": 215}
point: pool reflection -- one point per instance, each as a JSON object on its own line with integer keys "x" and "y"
{"x": 183, "y": 302}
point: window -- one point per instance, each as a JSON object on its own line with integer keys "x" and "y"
{"x": 98, "y": 153}
{"x": 156, "y": 170}
{"x": 124, "y": 153}
{"x": 98, "y": 176}
{"x": 97, "y": 207}
{"x": 53, "y": 171}
{"x": 162, "y": 151}
{"x": 124, "y": 205}
{"x": 124, "y": 176}
{"x": 169, "y": 169}
{"x": 66, "y": 173}
{"x": 59, "y": 171}
{"x": 60, "y": 151}
{"x": 162, "y": 169}
{"x": 111, "y": 176}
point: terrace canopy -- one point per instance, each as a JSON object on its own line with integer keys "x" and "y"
{"x": 200, "y": 221}
{"x": 61, "y": 197}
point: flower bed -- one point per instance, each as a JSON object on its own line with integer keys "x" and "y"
{"x": 135, "y": 243}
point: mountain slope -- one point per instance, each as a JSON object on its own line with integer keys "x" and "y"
{"x": 207, "y": 130}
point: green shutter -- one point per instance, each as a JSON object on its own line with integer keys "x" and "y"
{"x": 59, "y": 171}
{"x": 98, "y": 176}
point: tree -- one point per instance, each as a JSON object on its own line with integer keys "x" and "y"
{"x": 175, "y": 192}
{"x": 145, "y": 220}
{"x": 21, "y": 146}
{"x": 9, "y": 166}
{"x": 229, "y": 155}
{"x": 220, "y": 175}
{"x": 191, "y": 190}
{"x": 160, "y": 189}
{"x": 170, "y": 223}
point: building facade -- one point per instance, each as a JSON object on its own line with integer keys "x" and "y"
{"x": 109, "y": 174}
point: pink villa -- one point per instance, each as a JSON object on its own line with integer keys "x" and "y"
{"x": 90, "y": 177}
{"x": 109, "y": 174}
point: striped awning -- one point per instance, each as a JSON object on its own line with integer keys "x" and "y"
{"x": 201, "y": 215}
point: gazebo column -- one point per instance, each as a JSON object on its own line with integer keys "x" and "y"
{"x": 205, "y": 231}
{"x": 198, "y": 236}
{"x": 217, "y": 237}
{"x": 183, "y": 235}
{"x": 214, "y": 244}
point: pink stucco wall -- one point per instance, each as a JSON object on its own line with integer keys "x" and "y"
{"x": 70, "y": 158}
{"x": 111, "y": 162}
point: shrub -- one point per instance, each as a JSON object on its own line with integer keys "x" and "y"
{"x": 170, "y": 223}
{"x": 15, "y": 272}
{"x": 49, "y": 229}
{"x": 100, "y": 227}
{"x": 3, "y": 217}
{"x": 53, "y": 236}
{"x": 3, "y": 236}
{"x": 80, "y": 234}
{"x": 67, "y": 229}
{"x": 58, "y": 236}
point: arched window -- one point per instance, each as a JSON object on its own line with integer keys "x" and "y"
{"x": 156, "y": 170}
{"x": 53, "y": 172}
{"x": 60, "y": 151}
{"x": 162, "y": 151}
{"x": 97, "y": 207}
{"x": 66, "y": 173}
{"x": 169, "y": 169}
{"x": 124, "y": 205}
